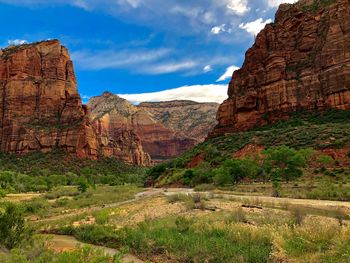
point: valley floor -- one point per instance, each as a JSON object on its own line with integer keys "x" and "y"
{"x": 181, "y": 225}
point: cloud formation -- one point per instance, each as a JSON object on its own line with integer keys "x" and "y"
{"x": 239, "y": 7}
{"x": 256, "y": 26}
{"x": 276, "y": 3}
{"x": 199, "y": 93}
{"x": 17, "y": 42}
{"x": 218, "y": 29}
{"x": 207, "y": 69}
{"x": 228, "y": 73}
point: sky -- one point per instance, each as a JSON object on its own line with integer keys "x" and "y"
{"x": 144, "y": 50}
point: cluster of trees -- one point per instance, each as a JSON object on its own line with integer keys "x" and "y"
{"x": 275, "y": 164}
{"x": 11, "y": 181}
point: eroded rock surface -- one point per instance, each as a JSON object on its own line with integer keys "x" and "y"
{"x": 41, "y": 109}
{"x": 166, "y": 129}
{"x": 301, "y": 61}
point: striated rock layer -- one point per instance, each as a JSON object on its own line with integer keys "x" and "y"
{"x": 301, "y": 61}
{"x": 40, "y": 107}
{"x": 166, "y": 129}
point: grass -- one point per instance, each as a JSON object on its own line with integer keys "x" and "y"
{"x": 44, "y": 206}
{"x": 229, "y": 235}
{"x": 183, "y": 241}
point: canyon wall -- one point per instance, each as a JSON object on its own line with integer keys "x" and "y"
{"x": 41, "y": 109}
{"x": 299, "y": 62}
{"x": 166, "y": 129}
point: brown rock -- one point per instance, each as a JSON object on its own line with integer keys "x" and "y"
{"x": 166, "y": 129}
{"x": 40, "y": 107}
{"x": 302, "y": 61}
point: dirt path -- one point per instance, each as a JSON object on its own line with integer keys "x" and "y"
{"x": 322, "y": 204}
{"x": 60, "y": 243}
{"x": 139, "y": 196}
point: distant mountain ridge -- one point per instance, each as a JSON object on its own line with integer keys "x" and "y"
{"x": 166, "y": 129}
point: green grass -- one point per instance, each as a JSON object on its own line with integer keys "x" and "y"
{"x": 183, "y": 241}
{"x": 102, "y": 195}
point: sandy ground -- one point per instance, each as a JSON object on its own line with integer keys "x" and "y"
{"x": 21, "y": 197}
{"x": 60, "y": 243}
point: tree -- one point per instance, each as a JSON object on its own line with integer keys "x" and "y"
{"x": 284, "y": 163}
{"x": 12, "y": 226}
{"x": 83, "y": 185}
{"x": 234, "y": 170}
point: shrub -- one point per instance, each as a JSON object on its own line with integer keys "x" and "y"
{"x": 183, "y": 224}
{"x": 237, "y": 216}
{"x": 83, "y": 185}
{"x": 298, "y": 214}
{"x": 12, "y": 226}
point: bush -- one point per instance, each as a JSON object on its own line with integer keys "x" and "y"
{"x": 83, "y": 185}
{"x": 12, "y": 226}
{"x": 183, "y": 224}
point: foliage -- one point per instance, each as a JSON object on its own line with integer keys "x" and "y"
{"x": 83, "y": 185}
{"x": 38, "y": 252}
{"x": 234, "y": 170}
{"x": 38, "y": 171}
{"x": 303, "y": 130}
{"x": 12, "y": 226}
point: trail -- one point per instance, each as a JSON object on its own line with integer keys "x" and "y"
{"x": 321, "y": 204}
{"x": 139, "y": 196}
{"x": 151, "y": 192}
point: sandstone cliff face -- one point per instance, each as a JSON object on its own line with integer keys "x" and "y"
{"x": 166, "y": 129}
{"x": 40, "y": 107}
{"x": 302, "y": 61}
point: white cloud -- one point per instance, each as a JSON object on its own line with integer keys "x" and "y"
{"x": 17, "y": 42}
{"x": 110, "y": 59}
{"x": 256, "y": 26}
{"x": 228, "y": 73}
{"x": 132, "y": 3}
{"x": 218, "y": 29}
{"x": 276, "y": 3}
{"x": 169, "y": 67}
{"x": 207, "y": 68}
{"x": 239, "y": 7}
{"x": 199, "y": 93}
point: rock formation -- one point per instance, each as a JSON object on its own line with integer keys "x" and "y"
{"x": 300, "y": 62}
{"x": 166, "y": 129}
{"x": 41, "y": 108}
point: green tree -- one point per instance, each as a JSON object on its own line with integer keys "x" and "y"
{"x": 12, "y": 226}
{"x": 234, "y": 170}
{"x": 284, "y": 163}
{"x": 83, "y": 185}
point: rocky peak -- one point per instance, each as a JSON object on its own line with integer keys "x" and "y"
{"x": 300, "y": 62}
{"x": 41, "y": 109}
{"x": 166, "y": 129}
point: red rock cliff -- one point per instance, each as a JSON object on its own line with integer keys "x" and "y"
{"x": 301, "y": 61}
{"x": 40, "y": 107}
{"x": 166, "y": 129}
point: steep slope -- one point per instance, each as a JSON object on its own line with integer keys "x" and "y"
{"x": 41, "y": 108}
{"x": 293, "y": 90}
{"x": 166, "y": 129}
{"x": 301, "y": 61}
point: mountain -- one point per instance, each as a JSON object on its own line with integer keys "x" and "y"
{"x": 166, "y": 129}
{"x": 293, "y": 91}
{"x": 299, "y": 62}
{"x": 41, "y": 108}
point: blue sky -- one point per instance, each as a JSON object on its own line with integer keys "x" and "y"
{"x": 144, "y": 49}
